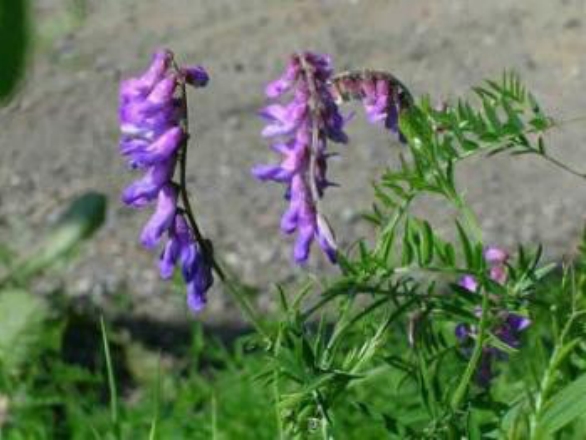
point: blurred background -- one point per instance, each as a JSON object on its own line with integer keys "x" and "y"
{"x": 58, "y": 133}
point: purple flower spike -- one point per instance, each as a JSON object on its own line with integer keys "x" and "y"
{"x": 152, "y": 118}
{"x": 302, "y": 128}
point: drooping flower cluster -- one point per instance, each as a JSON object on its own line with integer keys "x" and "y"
{"x": 152, "y": 119}
{"x": 383, "y": 96}
{"x": 508, "y": 325}
{"x": 301, "y": 129}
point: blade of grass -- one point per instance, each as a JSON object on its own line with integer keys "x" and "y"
{"x": 214, "y": 418}
{"x": 111, "y": 381}
{"x": 157, "y": 397}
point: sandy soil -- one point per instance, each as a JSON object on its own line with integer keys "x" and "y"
{"x": 59, "y": 137}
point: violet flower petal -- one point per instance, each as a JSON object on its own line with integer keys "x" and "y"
{"x": 162, "y": 218}
{"x": 495, "y": 255}
{"x": 469, "y": 283}
{"x": 284, "y": 83}
{"x": 196, "y": 76}
{"x": 144, "y": 190}
{"x": 160, "y": 150}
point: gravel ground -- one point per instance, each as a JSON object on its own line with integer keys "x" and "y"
{"x": 59, "y": 137}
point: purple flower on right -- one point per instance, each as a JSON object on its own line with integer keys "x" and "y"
{"x": 508, "y": 326}
{"x": 383, "y": 96}
{"x": 301, "y": 129}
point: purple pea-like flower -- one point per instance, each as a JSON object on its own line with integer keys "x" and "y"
{"x": 163, "y": 217}
{"x": 302, "y": 128}
{"x": 383, "y": 96}
{"x": 469, "y": 283}
{"x": 152, "y": 120}
{"x": 508, "y": 325}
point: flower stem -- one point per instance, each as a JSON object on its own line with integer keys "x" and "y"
{"x": 207, "y": 250}
{"x": 462, "y": 389}
{"x": 563, "y": 166}
{"x": 315, "y": 110}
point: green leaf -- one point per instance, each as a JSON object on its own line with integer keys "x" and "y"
{"x": 21, "y": 328}
{"x": 427, "y": 244}
{"x": 466, "y": 245}
{"x": 14, "y": 38}
{"x": 567, "y": 405}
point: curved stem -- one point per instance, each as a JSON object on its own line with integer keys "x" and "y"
{"x": 563, "y": 166}
{"x": 314, "y": 109}
{"x": 205, "y": 244}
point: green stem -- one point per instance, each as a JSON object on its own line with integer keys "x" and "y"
{"x": 562, "y": 165}
{"x": 462, "y": 389}
{"x": 547, "y": 381}
{"x": 111, "y": 381}
{"x": 385, "y": 242}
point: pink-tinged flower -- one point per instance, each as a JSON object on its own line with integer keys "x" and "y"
{"x": 301, "y": 128}
{"x": 495, "y": 255}
{"x": 383, "y": 96}
{"x": 469, "y": 283}
{"x": 152, "y": 117}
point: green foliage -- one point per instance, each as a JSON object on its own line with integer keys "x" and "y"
{"x": 371, "y": 353}
{"x": 22, "y": 316}
{"x": 564, "y": 407}
{"x": 14, "y": 35}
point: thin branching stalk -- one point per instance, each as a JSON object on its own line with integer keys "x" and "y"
{"x": 472, "y": 365}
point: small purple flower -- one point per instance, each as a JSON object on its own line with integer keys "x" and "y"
{"x": 510, "y": 328}
{"x": 507, "y": 329}
{"x": 163, "y": 217}
{"x": 469, "y": 283}
{"x": 196, "y": 76}
{"x": 508, "y": 325}
{"x": 495, "y": 255}
{"x": 382, "y": 95}
{"x": 302, "y": 128}
{"x": 152, "y": 118}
